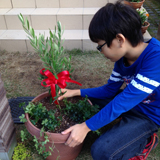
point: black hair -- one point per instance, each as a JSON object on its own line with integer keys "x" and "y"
{"x": 113, "y": 19}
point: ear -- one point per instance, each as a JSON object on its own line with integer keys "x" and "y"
{"x": 121, "y": 39}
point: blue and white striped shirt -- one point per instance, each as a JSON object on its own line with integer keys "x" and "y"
{"x": 142, "y": 91}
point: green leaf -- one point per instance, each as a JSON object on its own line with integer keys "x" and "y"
{"x": 30, "y": 30}
{"x": 36, "y": 40}
{"x": 55, "y": 46}
{"x": 22, "y": 118}
{"x": 21, "y": 18}
{"x": 51, "y": 149}
{"x": 21, "y": 104}
{"x": 23, "y": 136}
{"x": 27, "y": 24}
{"x": 59, "y": 26}
{"x": 51, "y": 34}
{"x": 33, "y": 45}
{"x": 33, "y": 32}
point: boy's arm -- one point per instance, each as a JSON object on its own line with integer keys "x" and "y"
{"x": 147, "y": 81}
{"x": 107, "y": 91}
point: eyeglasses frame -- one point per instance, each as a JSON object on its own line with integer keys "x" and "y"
{"x": 99, "y": 47}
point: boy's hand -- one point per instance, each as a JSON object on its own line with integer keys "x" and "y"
{"x": 78, "y": 134}
{"x": 69, "y": 93}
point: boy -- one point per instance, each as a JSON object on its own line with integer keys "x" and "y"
{"x": 117, "y": 30}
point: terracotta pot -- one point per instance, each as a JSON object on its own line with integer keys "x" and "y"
{"x": 144, "y": 28}
{"x": 65, "y": 152}
{"x": 135, "y": 5}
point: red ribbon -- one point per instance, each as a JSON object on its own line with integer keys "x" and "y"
{"x": 51, "y": 81}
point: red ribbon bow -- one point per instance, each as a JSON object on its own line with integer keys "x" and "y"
{"x": 51, "y": 81}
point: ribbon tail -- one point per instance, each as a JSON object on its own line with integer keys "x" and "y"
{"x": 72, "y": 81}
{"x": 56, "y": 102}
{"x": 53, "y": 92}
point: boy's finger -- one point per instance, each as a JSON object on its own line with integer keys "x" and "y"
{"x": 60, "y": 98}
{"x": 60, "y": 91}
{"x": 69, "y": 140}
{"x": 67, "y": 130}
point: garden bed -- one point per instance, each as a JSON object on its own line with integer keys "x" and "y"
{"x": 19, "y": 72}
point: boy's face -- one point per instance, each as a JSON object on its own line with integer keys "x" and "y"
{"x": 114, "y": 52}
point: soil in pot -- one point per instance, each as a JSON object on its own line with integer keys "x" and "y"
{"x": 60, "y": 149}
{"x": 66, "y": 122}
{"x": 145, "y": 27}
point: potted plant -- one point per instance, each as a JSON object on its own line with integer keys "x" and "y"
{"x": 134, "y": 3}
{"x": 45, "y": 115}
{"x": 144, "y": 17}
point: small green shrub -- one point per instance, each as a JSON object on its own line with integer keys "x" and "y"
{"x": 34, "y": 145}
{"x": 143, "y": 15}
{"x": 47, "y": 121}
{"x": 21, "y": 152}
{"x": 40, "y": 146}
{"x": 39, "y": 114}
{"x": 80, "y": 111}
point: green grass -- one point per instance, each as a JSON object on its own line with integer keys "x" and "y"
{"x": 154, "y": 19}
{"x": 20, "y": 72}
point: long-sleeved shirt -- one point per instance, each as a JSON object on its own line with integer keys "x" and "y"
{"x": 141, "y": 93}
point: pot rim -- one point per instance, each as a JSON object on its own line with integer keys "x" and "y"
{"x": 28, "y": 120}
{"x": 137, "y": 2}
{"x": 148, "y": 24}
{"x": 63, "y": 138}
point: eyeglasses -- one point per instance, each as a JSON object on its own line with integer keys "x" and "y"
{"x": 99, "y": 47}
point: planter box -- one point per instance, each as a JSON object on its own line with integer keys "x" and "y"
{"x": 4, "y": 145}
{"x": 4, "y": 108}
{"x": 7, "y": 129}
{"x": 7, "y": 155}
